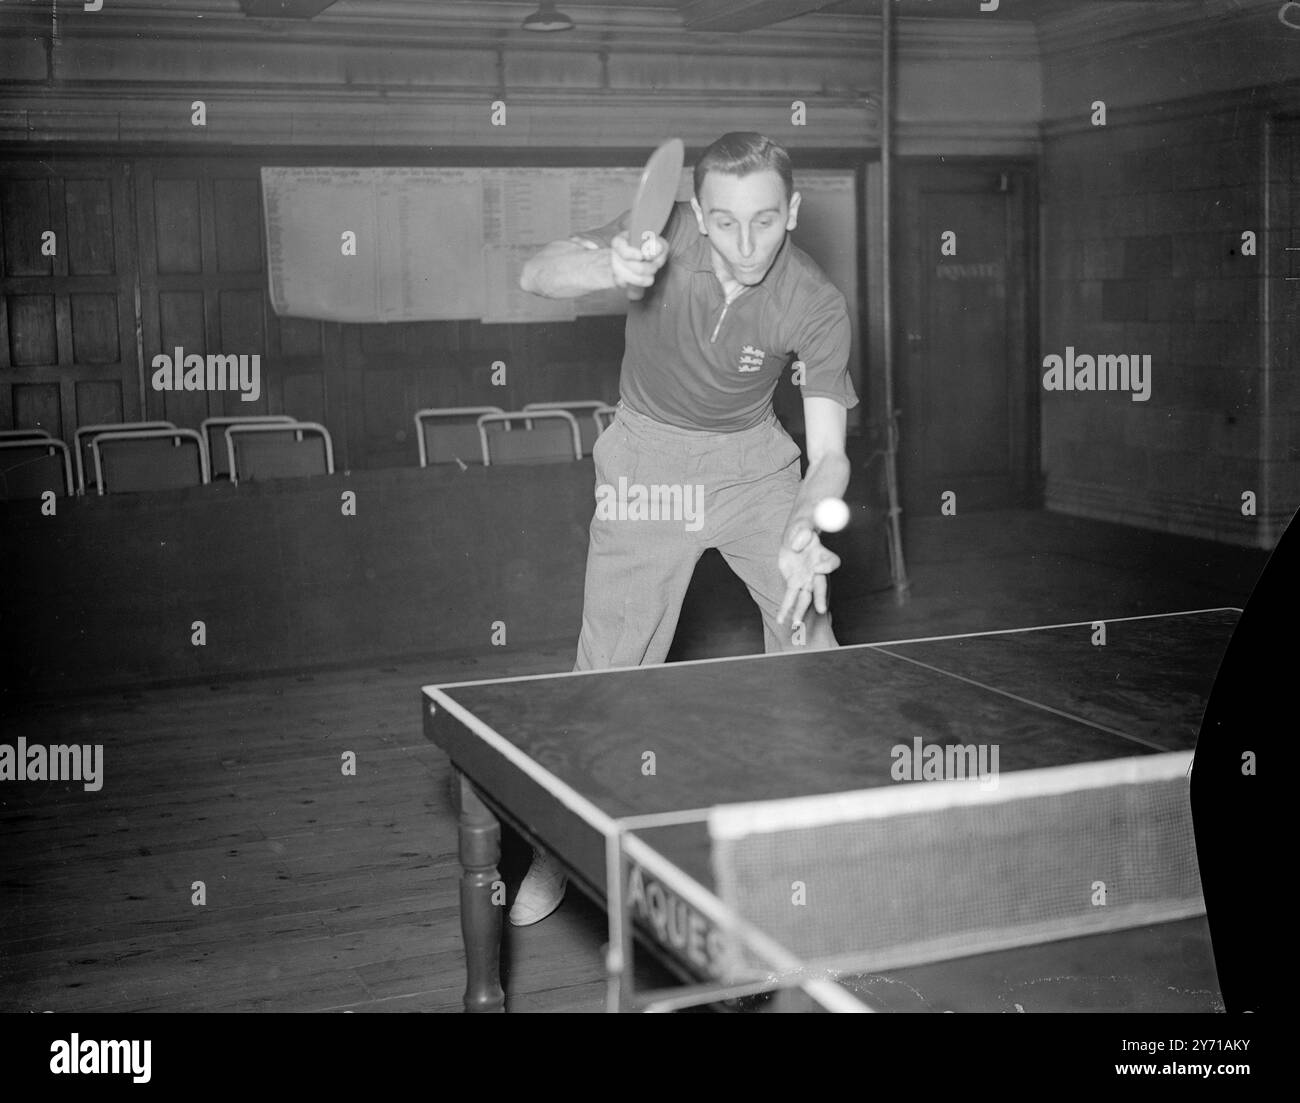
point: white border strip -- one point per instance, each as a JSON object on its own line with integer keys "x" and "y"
{"x": 777, "y": 655}
{"x": 606, "y": 824}
{"x": 1126, "y": 736}
{"x": 967, "y": 944}
{"x": 569, "y": 797}
{"x": 674, "y": 818}
{"x": 737, "y": 821}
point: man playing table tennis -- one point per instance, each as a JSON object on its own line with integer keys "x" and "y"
{"x": 729, "y": 304}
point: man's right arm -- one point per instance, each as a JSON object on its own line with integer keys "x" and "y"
{"x": 567, "y": 269}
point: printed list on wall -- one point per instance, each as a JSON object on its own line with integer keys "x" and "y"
{"x": 445, "y": 244}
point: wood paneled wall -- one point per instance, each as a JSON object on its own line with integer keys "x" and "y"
{"x": 419, "y": 73}
{"x": 67, "y": 327}
{"x": 1143, "y": 252}
{"x": 186, "y": 234}
{"x": 1144, "y": 255}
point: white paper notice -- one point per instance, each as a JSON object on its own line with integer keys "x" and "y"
{"x": 308, "y": 213}
{"x": 431, "y": 244}
{"x": 433, "y": 231}
{"x": 374, "y": 244}
{"x": 505, "y": 301}
{"x": 525, "y": 206}
{"x": 598, "y": 196}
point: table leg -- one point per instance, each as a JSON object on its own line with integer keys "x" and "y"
{"x": 480, "y": 918}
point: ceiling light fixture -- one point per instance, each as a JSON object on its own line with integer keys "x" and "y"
{"x": 546, "y": 18}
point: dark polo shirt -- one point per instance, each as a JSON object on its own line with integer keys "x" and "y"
{"x": 695, "y": 361}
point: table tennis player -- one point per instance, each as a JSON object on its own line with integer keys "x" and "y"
{"x": 729, "y": 303}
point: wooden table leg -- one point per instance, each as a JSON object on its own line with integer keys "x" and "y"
{"x": 480, "y": 916}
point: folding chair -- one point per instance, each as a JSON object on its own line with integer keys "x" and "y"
{"x": 83, "y": 436}
{"x": 450, "y": 434}
{"x": 216, "y": 445}
{"x": 584, "y": 410}
{"x": 28, "y": 468}
{"x": 278, "y": 451}
{"x": 136, "y": 460}
{"x": 553, "y": 441}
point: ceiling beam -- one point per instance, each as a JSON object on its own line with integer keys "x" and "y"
{"x": 743, "y": 15}
{"x": 284, "y": 9}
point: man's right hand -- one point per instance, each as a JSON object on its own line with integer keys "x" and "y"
{"x": 629, "y": 265}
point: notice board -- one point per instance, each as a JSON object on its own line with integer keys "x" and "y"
{"x": 442, "y": 244}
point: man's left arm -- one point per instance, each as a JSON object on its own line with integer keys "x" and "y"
{"x": 803, "y": 560}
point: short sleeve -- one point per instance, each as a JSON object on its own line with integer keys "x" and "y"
{"x": 821, "y": 342}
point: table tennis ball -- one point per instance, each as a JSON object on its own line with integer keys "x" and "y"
{"x": 831, "y": 515}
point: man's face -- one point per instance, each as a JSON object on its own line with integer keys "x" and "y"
{"x": 746, "y": 219}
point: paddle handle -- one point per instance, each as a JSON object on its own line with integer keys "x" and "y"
{"x": 636, "y": 235}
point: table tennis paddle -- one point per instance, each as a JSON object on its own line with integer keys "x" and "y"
{"x": 655, "y": 194}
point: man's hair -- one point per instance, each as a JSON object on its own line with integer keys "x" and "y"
{"x": 742, "y": 152}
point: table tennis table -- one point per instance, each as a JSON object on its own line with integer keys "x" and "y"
{"x": 642, "y": 756}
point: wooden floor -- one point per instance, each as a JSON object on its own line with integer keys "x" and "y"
{"x": 327, "y": 892}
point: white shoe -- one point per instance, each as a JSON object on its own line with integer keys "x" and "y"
{"x": 541, "y": 892}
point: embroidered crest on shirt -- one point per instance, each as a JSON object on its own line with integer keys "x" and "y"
{"x": 751, "y": 358}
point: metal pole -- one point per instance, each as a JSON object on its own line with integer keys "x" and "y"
{"x": 897, "y": 567}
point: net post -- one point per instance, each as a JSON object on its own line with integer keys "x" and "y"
{"x": 620, "y": 992}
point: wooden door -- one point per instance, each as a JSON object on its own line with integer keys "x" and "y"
{"x": 966, "y": 384}
{"x": 201, "y": 275}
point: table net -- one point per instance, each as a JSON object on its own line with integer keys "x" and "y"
{"x": 929, "y": 871}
